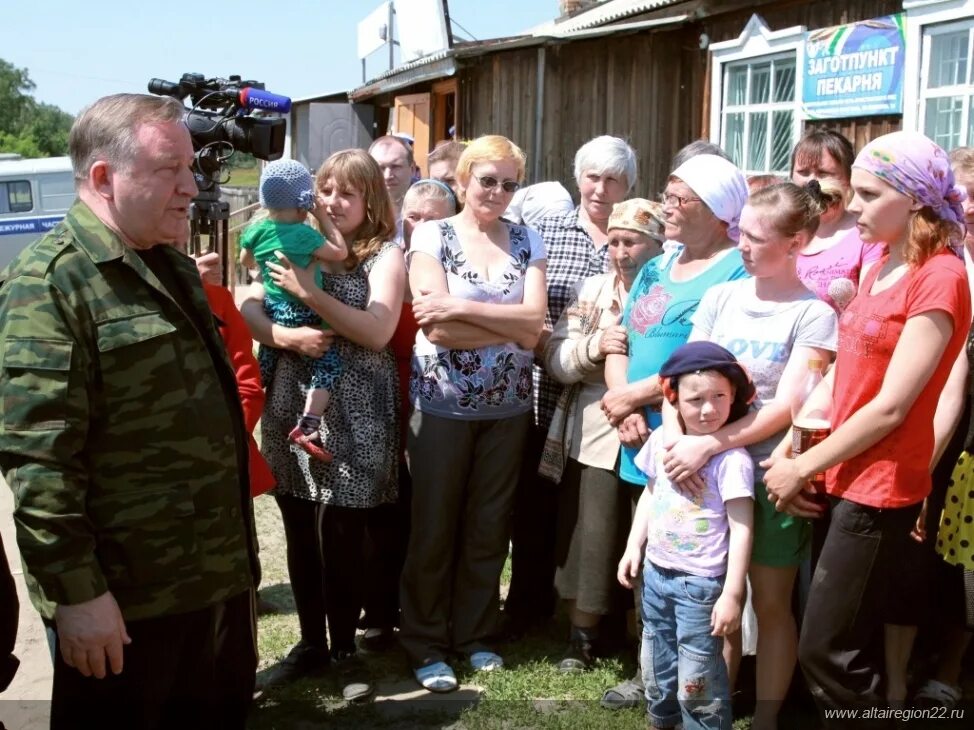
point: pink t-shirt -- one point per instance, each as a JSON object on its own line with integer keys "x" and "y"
{"x": 834, "y": 274}
{"x": 895, "y": 472}
{"x": 692, "y": 535}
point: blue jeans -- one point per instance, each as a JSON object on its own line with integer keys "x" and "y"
{"x": 683, "y": 669}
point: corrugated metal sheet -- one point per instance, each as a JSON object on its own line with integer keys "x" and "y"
{"x": 608, "y": 12}
{"x": 438, "y": 66}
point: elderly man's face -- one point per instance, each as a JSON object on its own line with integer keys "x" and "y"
{"x": 394, "y": 162}
{"x": 149, "y": 197}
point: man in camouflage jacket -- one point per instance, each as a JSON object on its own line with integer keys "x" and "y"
{"x": 122, "y": 438}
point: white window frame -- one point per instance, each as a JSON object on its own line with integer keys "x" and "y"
{"x": 756, "y": 43}
{"x": 965, "y": 91}
{"x": 924, "y": 17}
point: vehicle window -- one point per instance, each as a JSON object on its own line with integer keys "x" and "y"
{"x": 18, "y": 196}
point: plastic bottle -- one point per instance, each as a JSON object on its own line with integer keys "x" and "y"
{"x": 811, "y": 426}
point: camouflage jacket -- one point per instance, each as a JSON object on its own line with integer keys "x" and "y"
{"x": 115, "y": 435}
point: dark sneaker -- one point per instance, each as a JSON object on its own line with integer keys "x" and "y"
{"x": 353, "y": 676}
{"x": 378, "y": 640}
{"x": 304, "y": 660}
{"x": 578, "y": 658}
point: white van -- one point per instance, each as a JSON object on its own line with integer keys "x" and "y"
{"x": 34, "y": 196}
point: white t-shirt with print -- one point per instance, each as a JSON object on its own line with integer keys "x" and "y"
{"x": 762, "y": 335}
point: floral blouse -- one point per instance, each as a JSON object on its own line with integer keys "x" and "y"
{"x": 486, "y": 382}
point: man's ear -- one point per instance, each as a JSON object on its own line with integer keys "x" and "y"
{"x": 100, "y": 179}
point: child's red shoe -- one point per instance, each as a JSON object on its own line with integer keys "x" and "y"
{"x": 310, "y": 445}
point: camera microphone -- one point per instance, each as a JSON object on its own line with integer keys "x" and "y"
{"x": 252, "y": 98}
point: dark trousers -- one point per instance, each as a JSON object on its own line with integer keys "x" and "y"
{"x": 841, "y": 644}
{"x": 464, "y": 473}
{"x": 325, "y": 553}
{"x": 9, "y": 620}
{"x": 192, "y": 670}
{"x": 387, "y": 536}
{"x": 532, "y": 592}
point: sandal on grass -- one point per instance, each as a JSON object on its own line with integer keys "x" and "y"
{"x": 436, "y": 677}
{"x": 623, "y": 696}
{"x": 485, "y": 661}
{"x": 937, "y": 694}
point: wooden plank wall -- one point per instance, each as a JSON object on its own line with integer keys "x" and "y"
{"x": 648, "y": 87}
{"x": 633, "y": 86}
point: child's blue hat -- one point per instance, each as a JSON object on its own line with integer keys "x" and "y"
{"x": 694, "y": 357}
{"x": 287, "y": 184}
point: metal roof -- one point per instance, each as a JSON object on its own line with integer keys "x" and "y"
{"x": 600, "y": 14}
{"x": 587, "y": 24}
{"x": 428, "y": 68}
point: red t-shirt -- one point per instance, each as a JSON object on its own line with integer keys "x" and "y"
{"x": 896, "y": 471}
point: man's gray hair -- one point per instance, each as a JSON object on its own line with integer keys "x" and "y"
{"x": 607, "y": 154}
{"x": 107, "y": 129}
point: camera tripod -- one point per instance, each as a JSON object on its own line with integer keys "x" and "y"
{"x": 209, "y": 220}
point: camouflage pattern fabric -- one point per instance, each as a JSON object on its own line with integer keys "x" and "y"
{"x": 115, "y": 435}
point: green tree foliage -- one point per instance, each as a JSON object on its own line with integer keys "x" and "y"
{"x": 27, "y": 126}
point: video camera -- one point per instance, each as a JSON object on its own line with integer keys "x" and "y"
{"x": 225, "y": 117}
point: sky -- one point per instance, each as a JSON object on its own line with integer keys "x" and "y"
{"x": 76, "y": 52}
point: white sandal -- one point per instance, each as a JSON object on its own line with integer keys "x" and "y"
{"x": 937, "y": 694}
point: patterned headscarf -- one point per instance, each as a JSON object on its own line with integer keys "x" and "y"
{"x": 918, "y": 167}
{"x": 640, "y": 215}
{"x": 720, "y": 185}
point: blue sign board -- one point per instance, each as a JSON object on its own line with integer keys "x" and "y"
{"x": 854, "y": 70}
{"x": 29, "y": 225}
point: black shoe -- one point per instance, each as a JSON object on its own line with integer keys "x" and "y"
{"x": 578, "y": 659}
{"x": 378, "y": 640}
{"x": 265, "y": 607}
{"x": 353, "y": 676}
{"x": 304, "y": 660}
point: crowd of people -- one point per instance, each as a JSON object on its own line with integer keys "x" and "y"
{"x": 456, "y": 368}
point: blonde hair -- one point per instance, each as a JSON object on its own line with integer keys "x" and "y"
{"x": 962, "y": 160}
{"x": 107, "y": 129}
{"x": 793, "y": 209}
{"x": 429, "y": 190}
{"x": 490, "y": 148}
{"x": 356, "y": 169}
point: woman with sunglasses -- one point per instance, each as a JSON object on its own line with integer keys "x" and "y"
{"x": 577, "y": 244}
{"x": 478, "y": 287}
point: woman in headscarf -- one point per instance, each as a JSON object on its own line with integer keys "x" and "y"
{"x": 702, "y": 205}
{"x": 582, "y": 448}
{"x": 898, "y": 340}
{"x": 774, "y": 325}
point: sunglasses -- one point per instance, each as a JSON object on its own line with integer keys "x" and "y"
{"x": 489, "y": 183}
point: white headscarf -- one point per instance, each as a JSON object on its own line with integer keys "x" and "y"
{"x": 719, "y": 184}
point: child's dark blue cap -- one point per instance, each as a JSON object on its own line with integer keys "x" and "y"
{"x": 694, "y": 357}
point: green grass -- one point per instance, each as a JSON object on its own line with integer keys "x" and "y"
{"x": 244, "y": 177}
{"x": 527, "y": 693}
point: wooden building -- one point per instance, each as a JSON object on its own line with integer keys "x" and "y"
{"x": 661, "y": 73}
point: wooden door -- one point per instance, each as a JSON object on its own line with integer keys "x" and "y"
{"x": 445, "y": 111}
{"x": 413, "y": 117}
